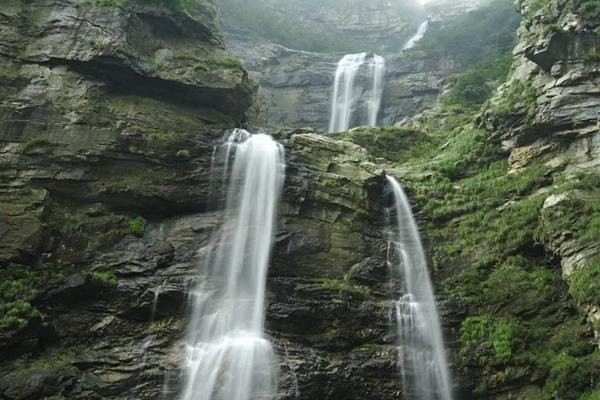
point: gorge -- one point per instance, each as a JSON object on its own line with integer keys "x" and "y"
{"x": 152, "y": 248}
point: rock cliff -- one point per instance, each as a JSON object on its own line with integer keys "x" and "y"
{"x": 110, "y": 110}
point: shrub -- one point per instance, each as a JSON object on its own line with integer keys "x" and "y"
{"x": 488, "y": 340}
{"x": 137, "y": 226}
{"x": 16, "y": 315}
{"x": 103, "y": 279}
{"x": 474, "y": 87}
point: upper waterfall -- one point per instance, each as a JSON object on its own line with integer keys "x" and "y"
{"x": 417, "y": 36}
{"x": 228, "y": 356}
{"x": 422, "y": 357}
{"x": 347, "y": 109}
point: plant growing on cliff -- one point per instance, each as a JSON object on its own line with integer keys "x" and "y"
{"x": 474, "y": 87}
{"x": 137, "y": 226}
{"x": 17, "y": 315}
{"x": 103, "y": 279}
{"x": 585, "y": 284}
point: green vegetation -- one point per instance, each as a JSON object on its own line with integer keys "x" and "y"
{"x": 535, "y": 6}
{"x": 103, "y": 279}
{"x": 18, "y": 286}
{"x": 593, "y": 395}
{"x": 517, "y": 102}
{"x": 475, "y": 86}
{"x": 395, "y": 144}
{"x": 590, "y": 10}
{"x": 34, "y": 143}
{"x": 491, "y": 340}
{"x": 137, "y": 226}
{"x": 592, "y": 58}
{"x": 17, "y": 315}
{"x": 475, "y": 36}
{"x": 181, "y": 5}
{"x": 585, "y": 284}
{"x": 488, "y": 225}
{"x": 345, "y": 287}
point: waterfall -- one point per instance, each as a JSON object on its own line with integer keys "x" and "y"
{"x": 377, "y": 71}
{"x": 422, "y": 357}
{"x": 417, "y": 36}
{"x": 347, "y": 93}
{"x": 227, "y": 354}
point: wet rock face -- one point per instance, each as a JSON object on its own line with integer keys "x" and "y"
{"x": 111, "y": 323}
{"x": 123, "y": 113}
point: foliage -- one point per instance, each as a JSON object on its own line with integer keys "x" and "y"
{"x": 18, "y": 286}
{"x": 592, "y": 58}
{"x": 395, "y": 144}
{"x": 585, "y": 284}
{"x": 590, "y": 10}
{"x": 491, "y": 339}
{"x": 535, "y": 6}
{"x": 345, "y": 287}
{"x": 33, "y": 143}
{"x": 474, "y": 36}
{"x": 137, "y": 226}
{"x": 16, "y": 315}
{"x": 475, "y": 86}
{"x": 103, "y": 279}
{"x": 592, "y": 395}
{"x": 517, "y": 100}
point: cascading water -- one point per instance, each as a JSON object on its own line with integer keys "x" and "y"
{"x": 377, "y": 71}
{"x": 346, "y": 105}
{"x": 422, "y": 357}
{"x": 417, "y": 36}
{"x": 344, "y": 95}
{"x": 228, "y": 356}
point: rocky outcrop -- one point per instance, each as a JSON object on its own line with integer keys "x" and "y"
{"x": 115, "y": 331}
{"x": 109, "y": 111}
{"x": 114, "y": 114}
{"x": 117, "y": 123}
{"x": 550, "y": 106}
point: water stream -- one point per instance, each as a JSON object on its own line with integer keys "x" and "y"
{"x": 422, "y": 358}
{"x": 228, "y": 356}
{"x": 357, "y": 91}
{"x": 417, "y": 36}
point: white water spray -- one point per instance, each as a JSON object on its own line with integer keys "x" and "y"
{"x": 228, "y": 356}
{"x": 422, "y": 357}
{"x": 417, "y": 36}
{"x": 346, "y": 104}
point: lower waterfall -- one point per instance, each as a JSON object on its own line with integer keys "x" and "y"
{"x": 227, "y": 354}
{"x": 422, "y": 358}
{"x": 357, "y": 91}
